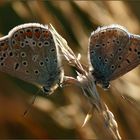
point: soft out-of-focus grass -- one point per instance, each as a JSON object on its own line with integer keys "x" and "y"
{"x": 61, "y": 115}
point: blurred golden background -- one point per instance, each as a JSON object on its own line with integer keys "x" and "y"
{"x": 61, "y": 115}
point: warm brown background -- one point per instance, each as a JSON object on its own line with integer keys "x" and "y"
{"x": 61, "y": 115}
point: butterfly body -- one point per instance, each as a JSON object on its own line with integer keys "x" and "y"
{"x": 32, "y": 55}
{"x": 113, "y": 51}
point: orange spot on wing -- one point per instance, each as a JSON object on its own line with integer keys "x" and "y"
{"x": 46, "y": 34}
{"x": 29, "y": 34}
{"x": 37, "y": 34}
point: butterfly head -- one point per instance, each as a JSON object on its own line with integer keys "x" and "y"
{"x": 53, "y": 82}
{"x": 104, "y": 84}
{"x": 47, "y": 90}
{"x": 101, "y": 80}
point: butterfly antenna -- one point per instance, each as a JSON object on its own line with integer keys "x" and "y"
{"x": 32, "y": 102}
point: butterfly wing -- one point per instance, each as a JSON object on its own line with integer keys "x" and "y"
{"x": 31, "y": 55}
{"x": 106, "y": 44}
{"x": 131, "y": 57}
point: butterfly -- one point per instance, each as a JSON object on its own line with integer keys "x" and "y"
{"x": 29, "y": 52}
{"x": 113, "y": 52}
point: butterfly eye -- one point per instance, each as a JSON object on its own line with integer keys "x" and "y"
{"x": 105, "y": 85}
{"x": 46, "y": 90}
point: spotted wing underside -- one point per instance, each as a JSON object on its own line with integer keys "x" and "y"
{"x": 107, "y": 48}
{"x": 29, "y": 53}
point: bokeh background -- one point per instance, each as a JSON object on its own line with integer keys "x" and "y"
{"x": 61, "y": 115}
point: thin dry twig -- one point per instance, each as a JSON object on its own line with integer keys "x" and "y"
{"x": 110, "y": 122}
{"x": 86, "y": 81}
